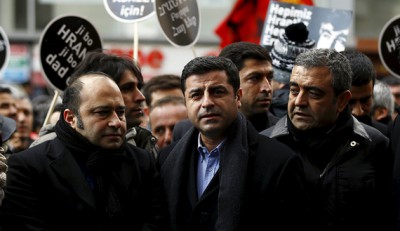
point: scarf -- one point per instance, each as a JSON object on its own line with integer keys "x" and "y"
{"x": 260, "y": 121}
{"x": 232, "y": 174}
{"x": 100, "y": 167}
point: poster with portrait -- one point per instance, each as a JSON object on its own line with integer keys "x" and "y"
{"x": 328, "y": 27}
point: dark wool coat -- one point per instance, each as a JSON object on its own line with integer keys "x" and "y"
{"x": 257, "y": 187}
{"x": 46, "y": 190}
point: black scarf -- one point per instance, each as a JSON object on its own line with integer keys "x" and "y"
{"x": 260, "y": 121}
{"x": 320, "y": 144}
{"x": 232, "y": 173}
{"x": 100, "y": 169}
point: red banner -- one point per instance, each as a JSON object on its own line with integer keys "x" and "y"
{"x": 246, "y": 20}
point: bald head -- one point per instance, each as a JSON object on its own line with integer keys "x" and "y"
{"x": 94, "y": 107}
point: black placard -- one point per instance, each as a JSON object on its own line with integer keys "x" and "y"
{"x": 64, "y": 43}
{"x": 4, "y": 49}
{"x": 389, "y": 52}
{"x": 179, "y": 21}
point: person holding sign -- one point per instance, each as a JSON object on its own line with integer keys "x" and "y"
{"x": 88, "y": 177}
{"x": 129, "y": 79}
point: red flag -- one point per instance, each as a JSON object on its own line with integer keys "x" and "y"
{"x": 246, "y": 21}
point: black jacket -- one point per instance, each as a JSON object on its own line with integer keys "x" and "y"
{"x": 258, "y": 186}
{"x": 46, "y": 190}
{"x": 394, "y": 133}
{"x": 352, "y": 191}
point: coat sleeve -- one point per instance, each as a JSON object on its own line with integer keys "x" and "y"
{"x": 19, "y": 209}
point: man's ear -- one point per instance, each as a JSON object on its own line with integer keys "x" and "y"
{"x": 146, "y": 110}
{"x": 239, "y": 97}
{"x": 380, "y": 113}
{"x": 343, "y": 100}
{"x": 69, "y": 117}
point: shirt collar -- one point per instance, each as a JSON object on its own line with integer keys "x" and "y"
{"x": 203, "y": 150}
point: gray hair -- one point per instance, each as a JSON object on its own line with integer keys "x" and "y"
{"x": 383, "y": 97}
{"x": 337, "y": 64}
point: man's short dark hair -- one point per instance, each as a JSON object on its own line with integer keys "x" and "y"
{"x": 202, "y": 65}
{"x": 112, "y": 65}
{"x": 239, "y": 52}
{"x": 361, "y": 66}
{"x": 160, "y": 82}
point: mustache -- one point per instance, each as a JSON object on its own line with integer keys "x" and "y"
{"x": 264, "y": 96}
{"x": 207, "y": 113}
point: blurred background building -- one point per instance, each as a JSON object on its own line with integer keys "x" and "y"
{"x": 24, "y": 20}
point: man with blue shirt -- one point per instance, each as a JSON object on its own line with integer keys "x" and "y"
{"x": 223, "y": 175}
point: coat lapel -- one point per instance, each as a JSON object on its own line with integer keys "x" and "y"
{"x": 175, "y": 172}
{"x": 67, "y": 169}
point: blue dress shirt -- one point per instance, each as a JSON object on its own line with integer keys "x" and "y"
{"x": 208, "y": 165}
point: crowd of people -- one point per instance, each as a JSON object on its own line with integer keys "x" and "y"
{"x": 298, "y": 138}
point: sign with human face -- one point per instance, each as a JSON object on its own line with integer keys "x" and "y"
{"x": 389, "y": 46}
{"x": 63, "y": 44}
{"x": 328, "y": 27}
{"x": 129, "y": 11}
{"x": 179, "y": 21}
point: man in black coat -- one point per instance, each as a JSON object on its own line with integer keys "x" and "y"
{"x": 362, "y": 89}
{"x": 126, "y": 73}
{"x": 88, "y": 177}
{"x": 223, "y": 175}
{"x": 347, "y": 163}
{"x": 255, "y": 71}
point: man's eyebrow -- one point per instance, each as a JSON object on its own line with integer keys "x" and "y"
{"x": 106, "y": 107}
{"x": 308, "y": 88}
{"x": 197, "y": 89}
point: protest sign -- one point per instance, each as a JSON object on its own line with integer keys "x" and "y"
{"x": 328, "y": 27}
{"x": 179, "y": 21}
{"x": 129, "y": 11}
{"x": 389, "y": 46}
{"x": 63, "y": 44}
{"x": 4, "y": 49}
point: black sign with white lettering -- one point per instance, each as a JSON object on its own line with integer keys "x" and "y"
{"x": 4, "y": 49}
{"x": 129, "y": 11}
{"x": 179, "y": 20}
{"x": 64, "y": 43}
{"x": 389, "y": 46}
